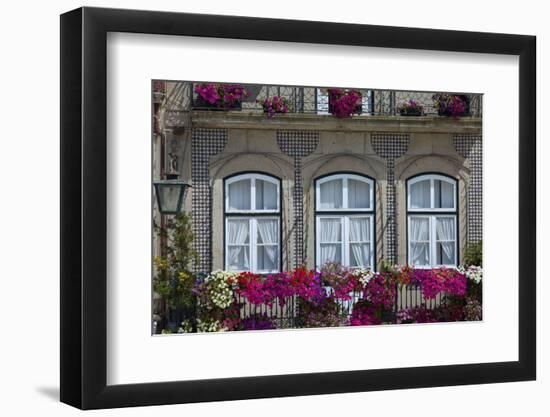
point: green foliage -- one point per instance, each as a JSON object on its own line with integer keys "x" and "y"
{"x": 173, "y": 280}
{"x": 473, "y": 254}
{"x": 386, "y": 266}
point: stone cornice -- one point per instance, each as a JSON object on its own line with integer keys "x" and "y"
{"x": 247, "y": 120}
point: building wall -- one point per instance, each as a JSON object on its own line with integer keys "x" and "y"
{"x": 245, "y": 142}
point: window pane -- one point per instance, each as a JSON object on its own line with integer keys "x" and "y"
{"x": 359, "y": 229}
{"x": 420, "y": 195}
{"x": 419, "y": 229}
{"x": 267, "y": 258}
{"x": 445, "y": 238}
{"x": 266, "y": 195}
{"x": 331, "y": 195}
{"x": 358, "y": 194}
{"x": 419, "y": 236}
{"x": 420, "y": 254}
{"x": 359, "y": 254}
{"x": 330, "y": 230}
{"x": 268, "y": 231}
{"x": 238, "y": 258}
{"x": 444, "y": 195}
{"x": 330, "y": 253}
{"x": 445, "y": 228}
{"x": 238, "y": 250}
{"x": 237, "y": 231}
{"x": 239, "y": 195}
{"x": 445, "y": 253}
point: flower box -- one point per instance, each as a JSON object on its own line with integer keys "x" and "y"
{"x": 411, "y": 108}
{"x": 449, "y": 105}
{"x": 215, "y": 96}
{"x": 331, "y": 108}
{"x": 200, "y": 104}
{"x": 344, "y": 103}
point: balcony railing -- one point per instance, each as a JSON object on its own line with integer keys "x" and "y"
{"x": 287, "y": 315}
{"x": 181, "y": 98}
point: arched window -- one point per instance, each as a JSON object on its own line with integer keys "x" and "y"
{"x": 252, "y": 223}
{"x": 344, "y": 220}
{"x": 432, "y": 221}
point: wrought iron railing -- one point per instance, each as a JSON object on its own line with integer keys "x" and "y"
{"x": 287, "y": 314}
{"x": 180, "y": 98}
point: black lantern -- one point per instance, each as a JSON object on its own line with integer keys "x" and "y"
{"x": 170, "y": 194}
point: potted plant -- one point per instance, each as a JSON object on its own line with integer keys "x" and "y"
{"x": 411, "y": 108}
{"x": 273, "y": 105}
{"x": 215, "y": 96}
{"x": 344, "y": 103}
{"x": 452, "y": 105}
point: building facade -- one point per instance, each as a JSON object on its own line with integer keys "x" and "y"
{"x": 303, "y": 188}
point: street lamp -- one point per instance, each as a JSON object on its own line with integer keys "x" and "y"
{"x": 170, "y": 194}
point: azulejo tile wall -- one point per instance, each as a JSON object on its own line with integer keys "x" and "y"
{"x": 390, "y": 146}
{"x": 298, "y": 144}
{"x": 204, "y": 144}
{"x": 470, "y": 146}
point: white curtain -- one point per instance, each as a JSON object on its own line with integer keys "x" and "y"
{"x": 330, "y": 231}
{"x": 331, "y": 194}
{"x": 443, "y": 194}
{"x": 419, "y": 245}
{"x": 358, "y": 194}
{"x": 239, "y": 195}
{"x": 445, "y": 236}
{"x": 268, "y": 233}
{"x": 420, "y": 195}
{"x": 359, "y": 236}
{"x": 266, "y": 195}
{"x": 237, "y": 240}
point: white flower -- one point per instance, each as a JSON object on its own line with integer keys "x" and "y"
{"x": 365, "y": 275}
{"x": 473, "y": 273}
{"x": 221, "y": 285}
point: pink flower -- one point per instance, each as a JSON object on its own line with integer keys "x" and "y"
{"x": 343, "y": 104}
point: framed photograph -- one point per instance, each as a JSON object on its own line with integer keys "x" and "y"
{"x": 258, "y": 208}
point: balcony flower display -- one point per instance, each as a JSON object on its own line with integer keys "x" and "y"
{"x": 326, "y": 313}
{"x": 274, "y": 105}
{"x": 333, "y": 296}
{"x": 258, "y": 323}
{"x": 411, "y": 108}
{"x": 435, "y": 281}
{"x": 343, "y": 282}
{"x": 344, "y": 103}
{"x": 220, "y": 96}
{"x": 454, "y": 106}
{"x": 472, "y": 310}
{"x": 365, "y": 314}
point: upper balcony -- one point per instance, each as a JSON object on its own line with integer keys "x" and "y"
{"x": 180, "y": 103}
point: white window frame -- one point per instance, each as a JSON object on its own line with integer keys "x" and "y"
{"x": 344, "y": 214}
{"x": 431, "y": 178}
{"x": 345, "y": 242}
{"x": 344, "y": 178}
{"x": 252, "y": 177}
{"x": 253, "y": 215}
{"x": 253, "y": 243}
{"x": 432, "y": 214}
{"x": 432, "y": 243}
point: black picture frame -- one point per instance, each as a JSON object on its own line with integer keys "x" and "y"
{"x": 84, "y": 207}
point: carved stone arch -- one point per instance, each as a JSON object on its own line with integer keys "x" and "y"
{"x": 412, "y": 165}
{"x": 230, "y": 164}
{"x": 326, "y": 164}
